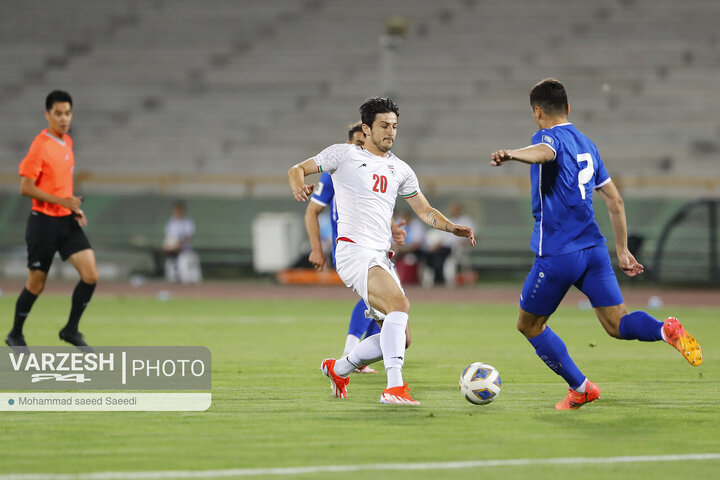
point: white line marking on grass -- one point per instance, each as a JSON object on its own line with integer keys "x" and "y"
{"x": 249, "y": 472}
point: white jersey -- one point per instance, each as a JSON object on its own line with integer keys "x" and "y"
{"x": 180, "y": 230}
{"x": 366, "y": 187}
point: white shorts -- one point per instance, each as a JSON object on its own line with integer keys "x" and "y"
{"x": 353, "y": 263}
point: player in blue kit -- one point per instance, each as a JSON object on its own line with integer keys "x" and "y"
{"x": 323, "y": 196}
{"x": 569, "y": 248}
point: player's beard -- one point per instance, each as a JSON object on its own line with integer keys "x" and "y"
{"x": 384, "y": 145}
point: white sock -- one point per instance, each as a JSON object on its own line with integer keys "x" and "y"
{"x": 394, "y": 376}
{"x": 582, "y": 387}
{"x": 392, "y": 342}
{"x": 350, "y": 342}
{"x": 366, "y": 352}
{"x": 343, "y": 367}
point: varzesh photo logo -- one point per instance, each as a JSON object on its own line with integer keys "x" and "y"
{"x": 131, "y": 378}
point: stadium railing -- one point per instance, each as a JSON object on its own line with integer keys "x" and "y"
{"x": 130, "y": 223}
{"x": 162, "y": 183}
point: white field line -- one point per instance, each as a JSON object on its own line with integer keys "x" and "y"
{"x": 249, "y": 472}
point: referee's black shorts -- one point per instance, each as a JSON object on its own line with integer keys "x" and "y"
{"x": 46, "y": 235}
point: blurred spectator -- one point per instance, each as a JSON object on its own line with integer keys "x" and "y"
{"x": 410, "y": 256}
{"x": 182, "y": 264}
{"x": 444, "y": 255}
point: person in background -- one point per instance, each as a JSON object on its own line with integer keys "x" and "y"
{"x": 444, "y": 252}
{"x": 411, "y": 254}
{"x": 182, "y": 263}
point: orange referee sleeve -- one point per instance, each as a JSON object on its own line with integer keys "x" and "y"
{"x": 31, "y": 165}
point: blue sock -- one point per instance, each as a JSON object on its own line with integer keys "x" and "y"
{"x": 640, "y": 326}
{"x": 552, "y": 350}
{"x": 358, "y": 322}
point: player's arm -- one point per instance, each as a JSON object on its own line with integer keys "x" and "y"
{"x": 539, "y": 153}
{"x": 29, "y": 189}
{"x": 296, "y": 179}
{"x": 616, "y": 208}
{"x": 436, "y": 219}
{"x": 312, "y": 226}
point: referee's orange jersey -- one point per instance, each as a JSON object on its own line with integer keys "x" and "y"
{"x": 50, "y": 163}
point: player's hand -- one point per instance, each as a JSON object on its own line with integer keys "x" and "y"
{"x": 317, "y": 258}
{"x": 629, "y": 265}
{"x": 303, "y": 192}
{"x": 72, "y": 203}
{"x": 398, "y": 233}
{"x": 499, "y": 157}
{"x": 463, "y": 231}
{"x": 80, "y": 217}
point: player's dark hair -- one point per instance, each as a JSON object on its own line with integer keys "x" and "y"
{"x": 57, "y": 96}
{"x": 550, "y": 95}
{"x": 375, "y": 105}
{"x": 352, "y": 128}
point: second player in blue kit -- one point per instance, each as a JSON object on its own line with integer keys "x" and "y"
{"x": 565, "y": 169}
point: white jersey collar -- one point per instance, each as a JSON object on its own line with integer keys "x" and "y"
{"x": 379, "y": 158}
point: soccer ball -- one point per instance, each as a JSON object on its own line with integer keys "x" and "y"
{"x": 480, "y": 383}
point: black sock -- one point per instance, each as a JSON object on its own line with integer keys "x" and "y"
{"x": 81, "y": 297}
{"x": 22, "y": 310}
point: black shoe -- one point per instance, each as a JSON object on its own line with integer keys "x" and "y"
{"x": 75, "y": 338}
{"x": 17, "y": 342}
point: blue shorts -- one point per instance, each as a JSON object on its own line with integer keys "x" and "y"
{"x": 550, "y": 278}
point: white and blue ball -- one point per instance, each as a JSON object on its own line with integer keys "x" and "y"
{"x": 480, "y": 383}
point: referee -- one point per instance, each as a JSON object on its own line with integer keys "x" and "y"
{"x": 55, "y": 222}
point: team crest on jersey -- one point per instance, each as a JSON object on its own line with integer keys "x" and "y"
{"x": 548, "y": 140}
{"x": 392, "y": 169}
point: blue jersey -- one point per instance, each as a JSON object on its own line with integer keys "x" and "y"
{"x": 324, "y": 195}
{"x": 562, "y": 192}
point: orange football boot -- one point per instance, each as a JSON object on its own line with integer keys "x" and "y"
{"x": 398, "y": 396}
{"x": 338, "y": 384}
{"x": 575, "y": 400}
{"x": 683, "y": 342}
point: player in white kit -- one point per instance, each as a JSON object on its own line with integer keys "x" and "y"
{"x": 367, "y": 182}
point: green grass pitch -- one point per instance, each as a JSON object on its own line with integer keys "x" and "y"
{"x": 272, "y": 406}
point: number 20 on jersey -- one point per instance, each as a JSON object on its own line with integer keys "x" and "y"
{"x": 380, "y": 183}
